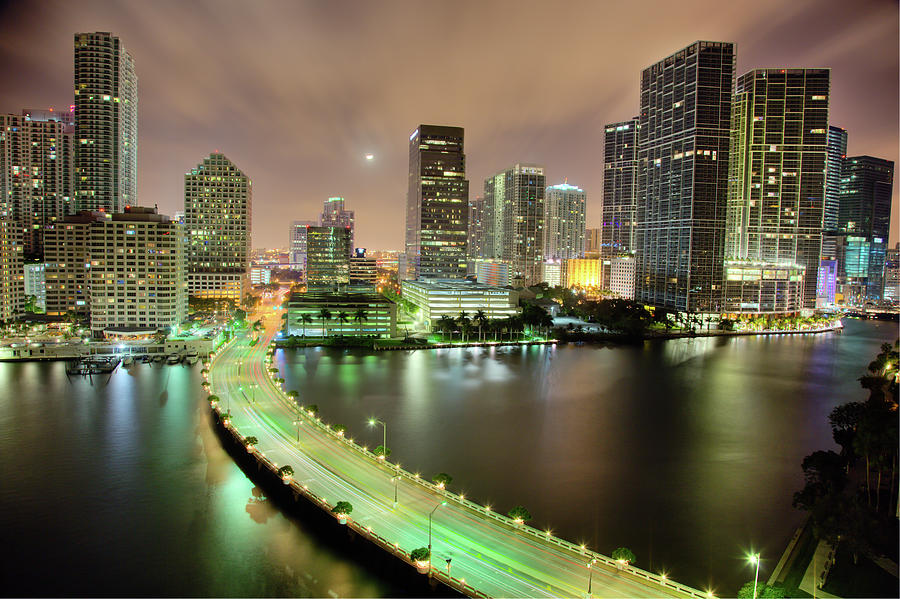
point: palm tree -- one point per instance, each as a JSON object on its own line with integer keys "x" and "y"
{"x": 305, "y": 319}
{"x": 342, "y": 318}
{"x": 324, "y": 314}
{"x": 360, "y": 316}
{"x": 446, "y": 324}
{"x": 464, "y": 321}
{"x": 481, "y": 319}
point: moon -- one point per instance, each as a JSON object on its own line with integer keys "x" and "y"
{"x": 370, "y": 156}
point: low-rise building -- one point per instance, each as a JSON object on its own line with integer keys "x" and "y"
{"x": 583, "y": 273}
{"x": 366, "y": 314}
{"x": 763, "y": 287}
{"x": 492, "y": 272}
{"x": 450, "y": 297}
{"x": 36, "y": 285}
{"x": 621, "y": 276}
{"x": 260, "y": 275}
{"x": 363, "y": 272}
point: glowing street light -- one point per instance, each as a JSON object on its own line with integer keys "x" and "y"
{"x": 754, "y": 559}
{"x": 429, "y": 531}
{"x": 590, "y": 575}
{"x": 373, "y": 422}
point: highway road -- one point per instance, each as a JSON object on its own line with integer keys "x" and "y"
{"x": 486, "y": 551}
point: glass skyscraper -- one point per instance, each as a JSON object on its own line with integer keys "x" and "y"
{"x": 619, "y": 188}
{"x": 437, "y": 204}
{"x": 564, "y": 222}
{"x": 683, "y": 150}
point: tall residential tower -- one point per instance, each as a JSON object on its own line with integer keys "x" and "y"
{"x": 564, "y": 226}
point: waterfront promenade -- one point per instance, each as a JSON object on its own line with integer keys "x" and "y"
{"x": 489, "y": 555}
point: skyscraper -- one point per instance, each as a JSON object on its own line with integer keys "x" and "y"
{"x": 476, "y": 230}
{"x": 864, "y": 223}
{"x": 106, "y": 105}
{"x": 217, "y": 214}
{"x": 683, "y": 147}
{"x": 777, "y": 191}
{"x": 327, "y": 258}
{"x": 834, "y": 164}
{"x": 36, "y": 173}
{"x": 619, "y": 188}
{"x": 437, "y": 204}
{"x": 12, "y": 277}
{"x": 515, "y": 199}
{"x": 297, "y": 244}
{"x": 564, "y": 207}
{"x": 67, "y": 257}
{"x": 334, "y": 215}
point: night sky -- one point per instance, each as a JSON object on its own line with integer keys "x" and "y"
{"x": 297, "y": 93}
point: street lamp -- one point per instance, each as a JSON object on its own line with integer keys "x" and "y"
{"x": 754, "y": 559}
{"x": 396, "y": 481}
{"x": 429, "y": 532}
{"x": 373, "y": 422}
{"x": 590, "y": 575}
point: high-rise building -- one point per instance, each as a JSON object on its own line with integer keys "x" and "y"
{"x": 683, "y": 145}
{"x": 327, "y": 258}
{"x": 621, "y": 276}
{"x": 592, "y": 238}
{"x": 363, "y": 272}
{"x": 217, "y": 214}
{"x": 864, "y": 223}
{"x": 67, "y": 256}
{"x": 777, "y": 186}
{"x": 12, "y": 296}
{"x": 297, "y": 244}
{"x": 476, "y": 236}
{"x": 620, "y": 170}
{"x": 36, "y": 173}
{"x": 834, "y": 164}
{"x": 437, "y": 204}
{"x": 564, "y": 226}
{"x": 892, "y": 275}
{"x": 516, "y": 199}
{"x": 137, "y": 279}
{"x": 334, "y": 215}
{"x": 106, "y": 126}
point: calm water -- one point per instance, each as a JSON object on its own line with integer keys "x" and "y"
{"x": 686, "y": 451}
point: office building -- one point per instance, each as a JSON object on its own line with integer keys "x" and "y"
{"x": 363, "y": 271}
{"x": 863, "y": 225}
{"x": 777, "y": 190}
{"x": 583, "y": 273}
{"x": 515, "y": 198}
{"x": 297, "y": 244}
{"x": 834, "y": 164}
{"x": 137, "y": 275}
{"x": 334, "y": 215}
{"x": 36, "y": 173}
{"x": 620, "y": 170}
{"x": 35, "y": 285}
{"x": 554, "y": 273}
{"x": 437, "y": 204}
{"x": 892, "y": 275}
{"x": 477, "y": 237}
{"x": 592, "y": 242}
{"x": 492, "y": 272}
{"x": 827, "y": 284}
{"x": 106, "y": 126}
{"x": 68, "y": 262}
{"x": 260, "y": 275}
{"x": 217, "y": 215}
{"x": 436, "y": 298}
{"x": 327, "y": 258}
{"x": 12, "y": 296}
{"x": 357, "y": 314}
{"x": 762, "y": 288}
{"x": 683, "y": 150}
{"x": 621, "y": 277}
{"x": 564, "y": 226}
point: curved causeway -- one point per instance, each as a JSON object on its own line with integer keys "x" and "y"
{"x": 491, "y": 555}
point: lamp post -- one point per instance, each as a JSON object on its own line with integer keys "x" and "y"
{"x": 373, "y": 422}
{"x": 754, "y": 559}
{"x": 298, "y": 422}
{"x": 396, "y": 480}
{"x": 590, "y": 575}
{"x": 429, "y": 532}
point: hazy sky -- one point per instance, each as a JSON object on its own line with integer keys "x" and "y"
{"x": 296, "y": 93}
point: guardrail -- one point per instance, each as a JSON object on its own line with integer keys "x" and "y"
{"x": 587, "y": 555}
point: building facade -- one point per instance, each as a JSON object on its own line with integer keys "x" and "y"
{"x": 12, "y": 292}
{"x": 683, "y": 151}
{"x": 335, "y": 215}
{"x": 357, "y": 314}
{"x": 137, "y": 273}
{"x": 452, "y": 297}
{"x": 35, "y": 285}
{"x": 437, "y": 203}
{"x": 515, "y": 199}
{"x": 564, "y": 224}
{"x": 327, "y": 258}
{"x": 363, "y": 271}
{"x": 776, "y": 196}
{"x": 762, "y": 288}
{"x": 620, "y": 170}
{"x": 218, "y": 201}
{"x": 106, "y": 126}
{"x": 68, "y": 263}
{"x": 492, "y": 272}
{"x": 583, "y": 273}
{"x": 621, "y": 277}
{"x": 297, "y": 244}
{"x": 892, "y": 275}
{"x": 36, "y": 173}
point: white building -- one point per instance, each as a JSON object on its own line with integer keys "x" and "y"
{"x": 217, "y": 211}
{"x": 445, "y": 297}
{"x": 137, "y": 280}
{"x": 36, "y": 285}
{"x": 260, "y": 275}
{"x": 564, "y": 224}
{"x": 621, "y": 276}
{"x": 553, "y": 273}
{"x": 106, "y": 111}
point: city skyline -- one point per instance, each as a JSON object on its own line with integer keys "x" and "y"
{"x": 333, "y": 129}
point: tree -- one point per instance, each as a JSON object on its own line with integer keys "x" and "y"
{"x": 342, "y": 508}
{"x": 292, "y": 394}
{"x": 213, "y": 398}
{"x": 305, "y": 319}
{"x": 624, "y": 555}
{"x": 239, "y": 315}
{"x": 251, "y": 441}
{"x": 313, "y": 409}
{"x": 420, "y": 554}
{"x": 382, "y": 451}
{"x": 442, "y": 479}
{"x": 519, "y": 514}
{"x": 446, "y": 325}
{"x": 342, "y": 318}
{"x": 324, "y": 314}
{"x": 360, "y": 316}
{"x": 339, "y": 429}
{"x": 285, "y": 472}
{"x": 763, "y": 591}
{"x": 463, "y": 321}
{"x": 482, "y": 319}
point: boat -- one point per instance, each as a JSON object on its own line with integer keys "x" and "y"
{"x": 173, "y": 359}
{"x": 88, "y": 366}
{"x": 191, "y": 357}
{"x": 128, "y": 360}
{"x": 145, "y": 358}
{"x": 159, "y": 358}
